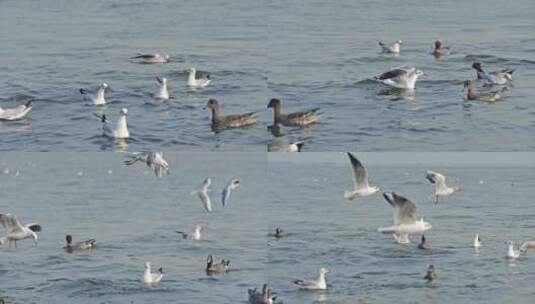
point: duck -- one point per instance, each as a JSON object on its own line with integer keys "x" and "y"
{"x": 430, "y": 275}
{"x": 212, "y": 268}
{"x": 295, "y": 119}
{"x": 319, "y": 284}
{"x": 197, "y": 80}
{"x": 16, "y": 113}
{"x": 423, "y": 244}
{"x": 395, "y": 48}
{"x": 152, "y": 278}
{"x": 229, "y": 121}
{"x": 98, "y": 98}
{"x": 17, "y": 232}
{"x": 500, "y": 77}
{"x": 83, "y": 245}
{"x": 440, "y": 50}
{"x": 470, "y": 93}
{"x": 264, "y": 297}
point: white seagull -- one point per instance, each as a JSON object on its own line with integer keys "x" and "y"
{"x": 527, "y": 245}
{"x": 121, "y": 130}
{"x": 197, "y": 81}
{"x": 152, "y": 58}
{"x": 17, "y": 232}
{"x": 360, "y": 175}
{"x": 152, "y": 278}
{"x": 225, "y": 194}
{"x": 401, "y": 78}
{"x": 15, "y": 113}
{"x": 441, "y": 189}
{"x": 477, "y": 241}
{"x": 500, "y": 77}
{"x": 203, "y": 194}
{"x": 319, "y": 284}
{"x": 405, "y": 219}
{"x": 97, "y": 98}
{"x": 511, "y": 252}
{"x": 393, "y": 49}
{"x": 195, "y": 235}
{"x": 154, "y": 160}
{"x": 163, "y": 92}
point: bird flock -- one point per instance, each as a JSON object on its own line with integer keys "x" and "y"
{"x": 488, "y": 87}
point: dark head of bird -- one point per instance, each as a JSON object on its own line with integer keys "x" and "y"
{"x": 477, "y": 66}
{"x": 438, "y": 44}
{"x": 274, "y": 103}
{"x": 68, "y": 238}
{"x": 212, "y": 104}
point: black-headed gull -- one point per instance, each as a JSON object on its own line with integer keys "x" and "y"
{"x": 121, "y": 129}
{"x": 401, "y": 78}
{"x": 225, "y": 194}
{"x": 216, "y": 268}
{"x": 500, "y": 77}
{"x": 477, "y": 241}
{"x": 319, "y": 284}
{"x": 98, "y": 98}
{"x": 511, "y": 253}
{"x": 361, "y": 187}
{"x": 17, "y": 232}
{"x": 152, "y": 58}
{"x": 163, "y": 92}
{"x": 197, "y": 80}
{"x": 203, "y": 194}
{"x": 195, "y": 235}
{"x": 152, "y": 278}
{"x": 441, "y": 189}
{"x": 395, "y": 48}
{"x": 15, "y": 113}
{"x": 430, "y": 274}
{"x": 263, "y": 297}
{"x": 439, "y": 50}
{"x": 405, "y": 219}
{"x": 153, "y": 160}
{"x": 82, "y": 245}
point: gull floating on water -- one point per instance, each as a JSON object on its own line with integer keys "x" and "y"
{"x": 441, "y": 189}
{"x": 439, "y": 50}
{"x": 96, "y": 98}
{"x": 511, "y": 252}
{"x": 500, "y": 77}
{"x": 195, "y": 235}
{"x": 405, "y": 220}
{"x": 430, "y": 275}
{"x": 319, "y": 284}
{"x": 264, "y": 297}
{"x": 527, "y": 245}
{"x": 216, "y": 268}
{"x": 279, "y": 233}
{"x": 154, "y": 160}
{"x": 401, "y": 78}
{"x": 360, "y": 180}
{"x": 477, "y": 241}
{"x": 285, "y": 146}
{"x": 82, "y": 245}
{"x": 225, "y": 194}
{"x": 152, "y": 58}
{"x": 152, "y": 278}
{"x": 197, "y": 79}
{"x": 203, "y": 195}
{"x": 121, "y": 130}
{"x": 17, "y": 232}
{"x": 15, "y": 113}
{"x": 229, "y": 121}
{"x": 295, "y": 119}
{"x": 470, "y": 93}
{"x": 395, "y": 48}
{"x": 163, "y": 92}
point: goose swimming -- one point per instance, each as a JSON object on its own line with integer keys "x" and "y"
{"x": 216, "y": 268}
{"x": 441, "y": 189}
{"x": 470, "y": 93}
{"x": 395, "y": 48}
{"x": 319, "y": 284}
{"x": 197, "y": 79}
{"x": 154, "y": 160}
{"x": 401, "y": 78}
{"x": 500, "y": 77}
{"x": 152, "y": 58}
{"x": 97, "y": 98}
{"x": 203, "y": 195}
{"x": 361, "y": 187}
{"x": 440, "y": 50}
{"x": 405, "y": 220}
{"x": 295, "y": 119}
{"x": 121, "y": 130}
{"x": 163, "y": 92}
{"x": 229, "y": 121}
{"x": 15, "y": 113}
{"x": 196, "y": 235}
{"x": 17, "y": 232}
{"x": 82, "y": 245}
{"x": 225, "y": 194}
{"x": 152, "y": 278}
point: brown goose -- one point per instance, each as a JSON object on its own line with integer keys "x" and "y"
{"x": 295, "y": 119}
{"x": 440, "y": 50}
{"x": 229, "y": 121}
{"x": 470, "y": 93}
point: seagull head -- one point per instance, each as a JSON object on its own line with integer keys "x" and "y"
{"x": 476, "y": 66}
{"x": 191, "y": 70}
{"x": 124, "y": 111}
{"x": 207, "y": 181}
{"x": 167, "y": 57}
{"x": 68, "y": 238}
{"x": 438, "y": 44}
{"x": 147, "y": 265}
{"x": 273, "y": 103}
{"x": 104, "y": 85}
{"x": 235, "y": 183}
{"x": 419, "y": 73}
{"x": 324, "y": 271}
{"x": 399, "y": 41}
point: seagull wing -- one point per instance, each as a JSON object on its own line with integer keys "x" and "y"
{"x": 10, "y": 222}
{"x": 394, "y": 73}
{"x": 359, "y": 172}
{"x": 405, "y": 209}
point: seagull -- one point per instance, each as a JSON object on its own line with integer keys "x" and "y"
{"x": 163, "y": 93}
{"x": 121, "y": 132}
{"x": 229, "y": 121}
{"x": 440, "y": 50}
{"x": 360, "y": 175}
{"x": 152, "y": 58}
{"x": 501, "y": 77}
{"x": 225, "y": 194}
{"x": 98, "y": 98}
{"x": 264, "y": 297}
{"x": 154, "y": 160}
{"x": 392, "y": 49}
{"x": 203, "y": 194}
{"x": 197, "y": 80}
{"x": 279, "y": 233}
{"x": 17, "y": 232}
{"x": 477, "y": 241}
{"x": 212, "y": 268}
{"x": 430, "y": 275}
{"x": 152, "y": 278}
{"x": 318, "y": 284}
{"x": 295, "y": 146}
{"x": 423, "y": 244}
{"x": 511, "y": 252}
{"x": 83, "y": 245}
{"x": 15, "y": 113}
{"x": 405, "y": 220}
{"x": 527, "y": 245}
{"x": 470, "y": 93}
{"x": 401, "y": 78}
{"x": 441, "y": 189}
{"x": 295, "y": 119}
{"x": 195, "y": 235}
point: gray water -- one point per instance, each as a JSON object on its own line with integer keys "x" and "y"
{"x": 308, "y": 53}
